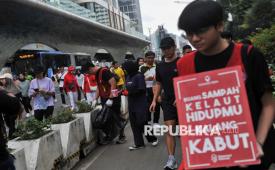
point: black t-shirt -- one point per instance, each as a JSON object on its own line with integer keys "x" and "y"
{"x": 165, "y": 72}
{"x": 257, "y": 82}
{"x": 8, "y": 106}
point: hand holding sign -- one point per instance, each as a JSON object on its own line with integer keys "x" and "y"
{"x": 214, "y": 104}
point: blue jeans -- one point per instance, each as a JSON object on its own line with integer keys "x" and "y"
{"x": 8, "y": 164}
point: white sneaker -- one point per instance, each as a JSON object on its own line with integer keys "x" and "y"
{"x": 55, "y": 100}
{"x": 171, "y": 164}
{"x": 155, "y": 143}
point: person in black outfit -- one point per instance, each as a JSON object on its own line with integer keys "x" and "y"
{"x": 9, "y": 106}
{"x": 137, "y": 105}
{"x": 203, "y": 28}
{"x": 165, "y": 72}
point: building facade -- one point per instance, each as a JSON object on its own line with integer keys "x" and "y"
{"x": 132, "y": 9}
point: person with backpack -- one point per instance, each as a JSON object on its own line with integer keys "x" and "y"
{"x": 109, "y": 96}
{"x": 203, "y": 23}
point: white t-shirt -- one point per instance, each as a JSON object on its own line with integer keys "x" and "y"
{"x": 80, "y": 79}
{"x": 45, "y": 84}
{"x": 150, "y": 73}
{"x": 61, "y": 78}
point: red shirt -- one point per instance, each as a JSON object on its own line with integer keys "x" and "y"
{"x": 89, "y": 81}
{"x": 70, "y": 83}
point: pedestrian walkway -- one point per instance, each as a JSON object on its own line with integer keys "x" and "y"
{"x": 118, "y": 157}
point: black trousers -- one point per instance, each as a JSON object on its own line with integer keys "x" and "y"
{"x": 115, "y": 120}
{"x": 62, "y": 93}
{"x": 27, "y": 104}
{"x": 40, "y": 114}
{"x": 10, "y": 122}
{"x": 150, "y": 96}
{"x": 138, "y": 121}
{"x": 8, "y": 164}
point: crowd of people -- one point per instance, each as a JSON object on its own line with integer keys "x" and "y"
{"x": 149, "y": 86}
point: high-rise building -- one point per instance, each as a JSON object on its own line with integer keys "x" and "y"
{"x": 132, "y": 9}
{"x": 107, "y": 12}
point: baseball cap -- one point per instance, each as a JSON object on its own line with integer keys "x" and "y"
{"x": 71, "y": 68}
{"x": 167, "y": 42}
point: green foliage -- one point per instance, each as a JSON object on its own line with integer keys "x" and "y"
{"x": 63, "y": 116}
{"x": 32, "y": 129}
{"x": 83, "y": 107}
{"x": 265, "y": 41}
{"x": 249, "y": 16}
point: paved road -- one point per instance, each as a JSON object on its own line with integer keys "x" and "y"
{"x": 118, "y": 157}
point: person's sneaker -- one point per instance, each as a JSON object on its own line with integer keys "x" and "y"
{"x": 131, "y": 148}
{"x": 28, "y": 115}
{"x": 171, "y": 164}
{"x": 55, "y": 100}
{"x": 121, "y": 140}
{"x": 155, "y": 143}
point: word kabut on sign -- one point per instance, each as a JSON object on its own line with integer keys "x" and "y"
{"x": 215, "y": 105}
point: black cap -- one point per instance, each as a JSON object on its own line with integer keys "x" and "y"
{"x": 38, "y": 69}
{"x": 167, "y": 42}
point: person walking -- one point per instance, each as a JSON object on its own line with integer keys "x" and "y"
{"x": 137, "y": 105}
{"x": 60, "y": 79}
{"x": 90, "y": 87}
{"x": 24, "y": 89}
{"x": 80, "y": 80}
{"x": 165, "y": 72}
{"x": 71, "y": 87}
{"x": 149, "y": 71}
{"x": 203, "y": 29}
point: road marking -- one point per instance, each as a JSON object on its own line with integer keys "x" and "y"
{"x": 95, "y": 158}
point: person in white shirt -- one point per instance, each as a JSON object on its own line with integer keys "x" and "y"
{"x": 149, "y": 71}
{"x": 60, "y": 79}
{"x": 80, "y": 80}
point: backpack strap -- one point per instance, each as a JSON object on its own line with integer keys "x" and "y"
{"x": 245, "y": 52}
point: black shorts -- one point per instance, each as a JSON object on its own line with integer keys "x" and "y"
{"x": 169, "y": 110}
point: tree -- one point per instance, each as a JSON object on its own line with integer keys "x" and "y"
{"x": 265, "y": 41}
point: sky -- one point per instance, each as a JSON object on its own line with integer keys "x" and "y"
{"x": 161, "y": 12}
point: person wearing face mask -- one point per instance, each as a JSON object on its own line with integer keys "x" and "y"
{"x": 24, "y": 87}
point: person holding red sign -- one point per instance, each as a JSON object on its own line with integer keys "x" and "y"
{"x": 203, "y": 23}
{"x": 165, "y": 72}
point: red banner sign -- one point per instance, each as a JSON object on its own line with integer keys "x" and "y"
{"x": 214, "y": 110}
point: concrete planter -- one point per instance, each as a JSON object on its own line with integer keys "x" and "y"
{"x": 90, "y": 143}
{"x": 41, "y": 153}
{"x": 87, "y": 124}
{"x": 20, "y": 159}
{"x": 72, "y": 135}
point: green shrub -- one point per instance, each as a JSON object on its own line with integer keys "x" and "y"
{"x": 84, "y": 107}
{"x": 32, "y": 129}
{"x": 63, "y": 116}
